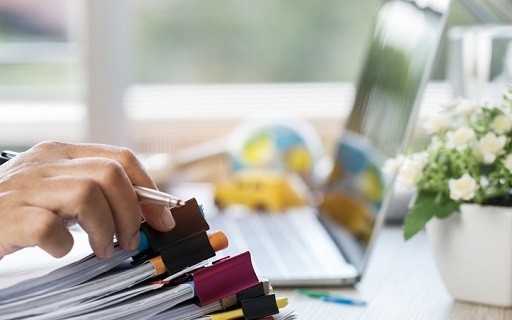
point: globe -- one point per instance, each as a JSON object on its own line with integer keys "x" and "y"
{"x": 284, "y": 144}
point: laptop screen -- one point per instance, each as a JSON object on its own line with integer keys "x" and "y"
{"x": 400, "y": 56}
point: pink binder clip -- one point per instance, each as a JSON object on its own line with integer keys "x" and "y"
{"x": 224, "y": 278}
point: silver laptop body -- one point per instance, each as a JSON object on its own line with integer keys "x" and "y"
{"x": 317, "y": 246}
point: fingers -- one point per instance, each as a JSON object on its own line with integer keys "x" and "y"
{"x": 117, "y": 190}
{"x": 90, "y": 183}
{"x": 26, "y": 226}
{"x": 136, "y": 172}
{"x": 53, "y": 236}
{"x": 158, "y": 217}
{"x": 76, "y": 198}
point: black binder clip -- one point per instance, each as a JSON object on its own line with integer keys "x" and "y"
{"x": 262, "y": 288}
{"x": 185, "y": 245}
{"x": 260, "y": 307}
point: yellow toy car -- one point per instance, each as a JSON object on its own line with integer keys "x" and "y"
{"x": 262, "y": 190}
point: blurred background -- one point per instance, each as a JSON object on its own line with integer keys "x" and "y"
{"x": 177, "y": 77}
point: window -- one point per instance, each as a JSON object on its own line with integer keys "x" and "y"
{"x": 40, "y": 66}
{"x": 199, "y": 60}
{"x": 244, "y": 41}
{"x": 39, "y": 58}
{"x": 184, "y": 64}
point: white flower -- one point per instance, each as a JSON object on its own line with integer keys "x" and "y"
{"x": 392, "y": 166}
{"x": 489, "y": 147}
{"x": 436, "y": 124}
{"x": 411, "y": 170}
{"x": 507, "y": 162}
{"x": 466, "y": 108}
{"x": 501, "y": 124}
{"x": 450, "y": 105}
{"x": 463, "y": 188}
{"x": 460, "y": 138}
{"x": 420, "y": 158}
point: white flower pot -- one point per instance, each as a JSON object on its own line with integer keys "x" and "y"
{"x": 473, "y": 251}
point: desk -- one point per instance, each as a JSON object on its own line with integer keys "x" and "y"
{"x": 401, "y": 282}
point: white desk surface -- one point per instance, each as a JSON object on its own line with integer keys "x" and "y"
{"x": 401, "y": 282}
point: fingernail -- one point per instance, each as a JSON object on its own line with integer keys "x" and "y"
{"x": 168, "y": 219}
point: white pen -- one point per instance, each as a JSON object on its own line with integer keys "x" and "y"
{"x": 152, "y": 196}
{"x": 146, "y": 196}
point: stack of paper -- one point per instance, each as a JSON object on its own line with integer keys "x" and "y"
{"x": 171, "y": 275}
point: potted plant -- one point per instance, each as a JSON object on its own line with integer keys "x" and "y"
{"x": 463, "y": 183}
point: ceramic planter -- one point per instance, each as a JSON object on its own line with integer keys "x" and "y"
{"x": 473, "y": 251}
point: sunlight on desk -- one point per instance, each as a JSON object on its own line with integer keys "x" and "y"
{"x": 401, "y": 282}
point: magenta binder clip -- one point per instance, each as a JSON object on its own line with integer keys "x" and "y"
{"x": 224, "y": 278}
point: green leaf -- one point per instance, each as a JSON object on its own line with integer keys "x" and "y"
{"x": 426, "y": 206}
{"x": 419, "y": 215}
{"x": 445, "y": 208}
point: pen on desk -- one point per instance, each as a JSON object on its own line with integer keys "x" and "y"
{"x": 343, "y": 300}
{"x": 145, "y": 195}
{"x": 328, "y": 297}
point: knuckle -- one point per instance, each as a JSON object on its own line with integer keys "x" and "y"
{"x": 86, "y": 192}
{"x": 111, "y": 171}
{"x": 128, "y": 158}
{"x": 48, "y": 145}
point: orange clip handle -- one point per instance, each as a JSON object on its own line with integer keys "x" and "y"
{"x": 218, "y": 241}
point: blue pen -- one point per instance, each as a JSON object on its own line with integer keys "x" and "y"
{"x": 328, "y": 297}
{"x": 343, "y": 300}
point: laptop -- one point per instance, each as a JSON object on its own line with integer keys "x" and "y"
{"x": 329, "y": 245}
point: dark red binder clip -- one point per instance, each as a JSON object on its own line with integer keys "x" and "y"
{"x": 185, "y": 245}
{"x": 224, "y": 278}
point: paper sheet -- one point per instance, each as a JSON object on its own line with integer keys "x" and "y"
{"x": 33, "y": 262}
{"x": 67, "y": 272}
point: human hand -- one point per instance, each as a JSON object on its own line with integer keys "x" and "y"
{"x": 54, "y": 182}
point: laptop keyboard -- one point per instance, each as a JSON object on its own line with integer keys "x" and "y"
{"x": 292, "y": 245}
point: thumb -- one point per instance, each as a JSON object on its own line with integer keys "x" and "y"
{"x": 159, "y": 217}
